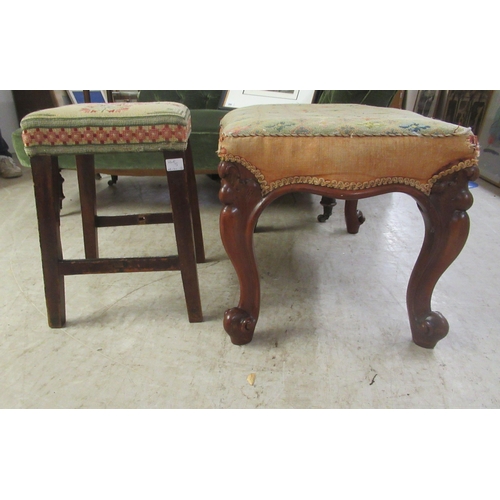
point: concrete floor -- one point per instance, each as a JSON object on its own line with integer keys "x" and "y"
{"x": 333, "y": 330}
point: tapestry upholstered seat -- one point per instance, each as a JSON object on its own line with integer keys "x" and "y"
{"x": 345, "y": 151}
{"x": 85, "y": 130}
{"x": 205, "y": 118}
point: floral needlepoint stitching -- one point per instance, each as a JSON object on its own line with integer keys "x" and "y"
{"x": 415, "y": 127}
{"x": 153, "y": 134}
{"x": 301, "y": 130}
{"x": 104, "y": 135}
{"x": 63, "y": 136}
{"x": 114, "y": 135}
{"x": 51, "y": 136}
{"x": 106, "y": 108}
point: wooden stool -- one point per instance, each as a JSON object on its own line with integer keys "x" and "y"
{"x": 87, "y": 129}
{"x": 345, "y": 151}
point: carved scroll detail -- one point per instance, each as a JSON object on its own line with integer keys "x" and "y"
{"x": 239, "y": 325}
{"x": 446, "y": 221}
{"x": 424, "y": 187}
{"x": 241, "y": 195}
{"x": 446, "y": 231}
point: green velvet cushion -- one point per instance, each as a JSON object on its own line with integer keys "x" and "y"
{"x": 370, "y": 97}
{"x": 205, "y": 122}
{"x": 193, "y": 99}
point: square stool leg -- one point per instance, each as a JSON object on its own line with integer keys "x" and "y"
{"x": 59, "y": 131}
{"x": 195, "y": 206}
{"x": 182, "y": 214}
{"x": 47, "y": 186}
{"x": 88, "y": 203}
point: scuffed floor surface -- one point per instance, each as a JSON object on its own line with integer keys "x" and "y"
{"x": 333, "y": 330}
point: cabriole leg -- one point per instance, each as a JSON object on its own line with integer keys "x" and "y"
{"x": 241, "y": 195}
{"x": 446, "y": 231}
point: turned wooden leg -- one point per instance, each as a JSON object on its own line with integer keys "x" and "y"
{"x": 47, "y": 185}
{"x": 88, "y": 203}
{"x": 241, "y": 195}
{"x": 446, "y": 231}
{"x": 353, "y": 217}
{"x": 183, "y": 228}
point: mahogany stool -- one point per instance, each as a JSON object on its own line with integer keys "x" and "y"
{"x": 87, "y": 129}
{"x": 349, "y": 152}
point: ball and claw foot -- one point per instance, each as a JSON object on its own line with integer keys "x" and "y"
{"x": 239, "y": 325}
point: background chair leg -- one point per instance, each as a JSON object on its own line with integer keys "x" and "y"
{"x": 61, "y": 190}
{"x": 47, "y": 185}
{"x": 353, "y": 217}
{"x": 327, "y": 204}
{"x": 446, "y": 231}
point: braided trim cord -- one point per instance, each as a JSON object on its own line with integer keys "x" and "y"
{"x": 455, "y": 168}
{"x": 394, "y": 133}
{"x": 346, "y": 186}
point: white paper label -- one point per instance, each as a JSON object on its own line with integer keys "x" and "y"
{"x": 175, "y": 164}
